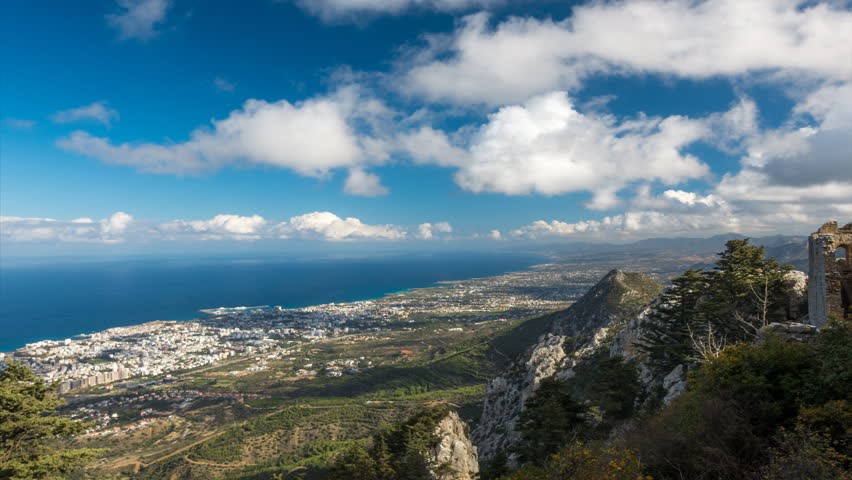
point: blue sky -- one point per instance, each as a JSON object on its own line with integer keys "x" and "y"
{"x": 139, "y": 124}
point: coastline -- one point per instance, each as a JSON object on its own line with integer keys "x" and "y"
{"x": 531, "y": 262}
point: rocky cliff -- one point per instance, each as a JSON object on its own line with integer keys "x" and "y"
{"x": 575, "y": 334}
{"x": 454, "y": 456}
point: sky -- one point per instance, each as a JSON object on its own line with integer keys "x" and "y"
{"x": 148, "y": 125}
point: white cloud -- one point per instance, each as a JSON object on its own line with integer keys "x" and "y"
{"x": 426, "y": 145}
{"x": 328, "y": 226}
{"x": 222, "y": 84}
{"x": 223, "y": 226}
{"x": 794, "y": 172}
{"x": 691, "y": 198}
{"x": 639, "y": 224}
{"x": 339, "y": 10}
{"x": 99, "y": 112}
{"x": 108, "y": 230}
{"x": 429, "y": 231}
{"x": 138, "y": 19}
{"x": 523, "y": 57}
{"x": 311, "y": 137}
{"x": 545, "y": 146}
{"x": 363, "y": 184}
{"x": 120, "y": 227}
{"x": 818, "y": 153}
{"x": 744, "y": 203}
{"x": 495, "y": 235}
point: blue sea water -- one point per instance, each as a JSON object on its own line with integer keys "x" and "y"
{"x": 59, "y": 300}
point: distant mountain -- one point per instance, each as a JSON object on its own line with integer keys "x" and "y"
{"x": 715, "y": 243}
{"x": 684, "y": 244}
{"x": 793, "y": 253}
{"x": 791, "y": 249}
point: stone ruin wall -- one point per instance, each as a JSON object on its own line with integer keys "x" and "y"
{"x": 829, "y": 277}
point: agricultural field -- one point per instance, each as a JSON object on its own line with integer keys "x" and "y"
{"x": 252, "y": 416}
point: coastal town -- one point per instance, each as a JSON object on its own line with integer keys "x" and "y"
{"x": 158, "y": 348}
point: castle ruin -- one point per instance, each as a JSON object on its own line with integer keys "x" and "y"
{"x": 829, "y": 273}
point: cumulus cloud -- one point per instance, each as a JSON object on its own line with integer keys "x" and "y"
{"x": 816, "y": 153}
{"x": 120, "y": 227}
{"x": 363, "y": 184}
{"x": 522, "y": 57}
{"x": 311, "y": 138}
{"x": 223, "y": 226}
{"x": 328, "y": 226}
{"x": 545, "y": 146}
{"x": 425, "y": 145}
{"x": 138, "y": 19}
{"x": 750, "y": 207}
{"x": 674, "y": 200}
{"x": 798, "y": 171}
{"x": 495, "y": 235}
{"x": 33, "y": 229}
{"x": 343, "y": 10}
{"x": 99, "y": 112}
{"x": 429, "y": 231}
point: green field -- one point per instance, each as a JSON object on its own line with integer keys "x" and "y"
{"x": 300, "y": 422}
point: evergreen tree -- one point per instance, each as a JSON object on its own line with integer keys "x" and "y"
{"x": 703, "y": 311}
{"x": 398, "y": 452}
{"x": 354, "y": 464}
{"x": 549, "y": 419}
{"x": 28, "y": 422}
{"x": 747, "y": 291}
{"x": 497, "y": 467}
{"x": 666, "y": 338}
{"x": 383, "y": 458}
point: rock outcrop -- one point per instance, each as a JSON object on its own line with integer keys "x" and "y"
{"x": 576, "y": 333}
{"x": 797, "y": 286}
{"x": 790, "y": 331}
{"x": 454, "y": 456}
{"x": 671, "y": 383}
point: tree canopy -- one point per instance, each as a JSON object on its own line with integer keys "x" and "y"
{"x": 29, "y": 424}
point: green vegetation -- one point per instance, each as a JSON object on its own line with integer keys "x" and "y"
{"x": 550, "y": 416}
{"x": 398, "y": 452}
{"x": 28, "y": 425}
{"x": 776, "y": 409}
{"x": 755, "y": 408}
{"x": 307, "y": 423}
{"x": 704, "y": 311}
{"x": 583, "y": 462}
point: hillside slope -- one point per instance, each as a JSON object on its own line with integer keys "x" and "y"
{"x": 574, "y": 334}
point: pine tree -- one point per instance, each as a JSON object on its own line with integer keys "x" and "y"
{"x": 666, "y": 337}
{"x": 354, "y": 464}
{"x": 747, "y": 291}
{"x": 550, "y": 417}
{"x": 28, "y": 423}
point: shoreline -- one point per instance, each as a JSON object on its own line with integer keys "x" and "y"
{"x": 210, "y": 311}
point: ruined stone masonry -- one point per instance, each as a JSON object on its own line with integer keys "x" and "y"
{"x": 829, "y": 274}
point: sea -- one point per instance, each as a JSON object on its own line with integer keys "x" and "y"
{"x": 59, "y": 298}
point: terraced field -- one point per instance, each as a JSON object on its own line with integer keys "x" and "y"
{"x": 296, "y": 423}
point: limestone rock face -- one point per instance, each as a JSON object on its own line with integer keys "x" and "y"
{"x": 625, "y": 341}
{"x": 791, "y": 332}
{"x": 797, "y": 286}
{"x": 674, "y": 383}
{"x": 575, "y": 334}
{"x": 454, "y": 457}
